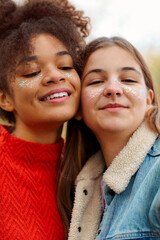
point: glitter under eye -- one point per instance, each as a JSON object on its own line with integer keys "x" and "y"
{"x": 23, "y": 83}
{"x": 129, "y": 90}
{"x": 68, "y": 74}
{"x": 139, "y": 93}
{"x": 29, "y": 82}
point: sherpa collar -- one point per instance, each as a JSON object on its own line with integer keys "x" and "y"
{"x": 124, "y": 165}
{"x": 93, "y": 168}
{"x": 127, "y": 162}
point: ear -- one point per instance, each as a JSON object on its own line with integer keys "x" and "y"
{"x": 78, "y": 115}
{"x": 6, "y": 102}
{"x": 150, "y": 96}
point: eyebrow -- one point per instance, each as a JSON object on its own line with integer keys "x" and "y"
{"x": 27, "y": 59}
{"x": 125, "y": 69}
{"x": 34, "y": 58}
{"x": 98, "y": 70}
{"x": 62, "y": 53}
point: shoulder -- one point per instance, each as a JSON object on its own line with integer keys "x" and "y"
{"x": 151, "y": 163}
{"x": 155, "y": 149}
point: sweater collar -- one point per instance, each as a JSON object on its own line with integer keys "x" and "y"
{"x": 35, "y": 153}
{"x": 125, "y": 164}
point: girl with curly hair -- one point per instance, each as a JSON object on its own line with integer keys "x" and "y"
{"x": 40, "y": 44}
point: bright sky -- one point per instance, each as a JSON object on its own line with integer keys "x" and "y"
{"x": 136, "y": 20}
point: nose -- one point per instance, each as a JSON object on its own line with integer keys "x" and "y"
{"x": 113, "y": 88}
{"x": 53, "y": 75}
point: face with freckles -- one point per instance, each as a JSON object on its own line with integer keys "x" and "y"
{"x": 114, "y": 94}
{"x": 46, "y": 88}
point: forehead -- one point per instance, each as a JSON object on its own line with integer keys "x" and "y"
{"x": 43, "y": 46}
{"x": 46, "y": 42}
{"x": 111, "y": 58}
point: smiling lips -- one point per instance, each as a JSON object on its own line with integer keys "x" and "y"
{"x": 57, "y": 95}
{"x": 113, "y": 107}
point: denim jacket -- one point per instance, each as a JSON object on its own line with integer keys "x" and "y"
{"x": 135, "y": 212}
{"x": 131, "y": 192}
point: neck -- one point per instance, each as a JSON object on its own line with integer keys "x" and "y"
{"x": 42, "y": 135}
{"x": 111, "y": 145}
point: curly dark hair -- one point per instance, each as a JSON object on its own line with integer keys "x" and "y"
{"x": 18, "y": 23}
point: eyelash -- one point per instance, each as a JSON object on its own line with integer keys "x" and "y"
{"x": 66, "y": 68}
{"x": 31, "y": 74}
{"x": 95, "y": 82}
{"x": 36, "y": 73}
{"x": 129, "y": 80}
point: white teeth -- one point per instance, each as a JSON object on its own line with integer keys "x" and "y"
{"x": 56, "y": 95}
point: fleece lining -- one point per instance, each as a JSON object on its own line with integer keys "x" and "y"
{"x": 128, "y": 161}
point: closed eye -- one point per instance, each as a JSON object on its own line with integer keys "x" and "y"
{"x": 95, "y": 82}
{"x": 66, "y": 68}
{"x": 129, "y": 80}
{"x": 33, "y": 74}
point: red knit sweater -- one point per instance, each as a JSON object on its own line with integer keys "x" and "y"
{"x": 28, "y": 172}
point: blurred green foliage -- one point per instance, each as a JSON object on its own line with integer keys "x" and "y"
{"x": 153, "y": 61}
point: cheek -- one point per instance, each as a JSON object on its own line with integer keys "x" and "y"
{"x": 73, "y": 78}
{"x": 89, "y": 100}
{"x": 137, "y": 94}
{"x": 69, "y": 75}
{"x": 29, "y": 83}
{"x": 24, "y": 95}
{"x": 91, "y": 95}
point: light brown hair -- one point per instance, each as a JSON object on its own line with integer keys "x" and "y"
{"x": 153, "y": 115}
{"x": 81, "y": 143}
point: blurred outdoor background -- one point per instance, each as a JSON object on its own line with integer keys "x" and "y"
{"x": 136, "y": 20}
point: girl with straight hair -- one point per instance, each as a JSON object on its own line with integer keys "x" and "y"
{"x": 117, "y": 192}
